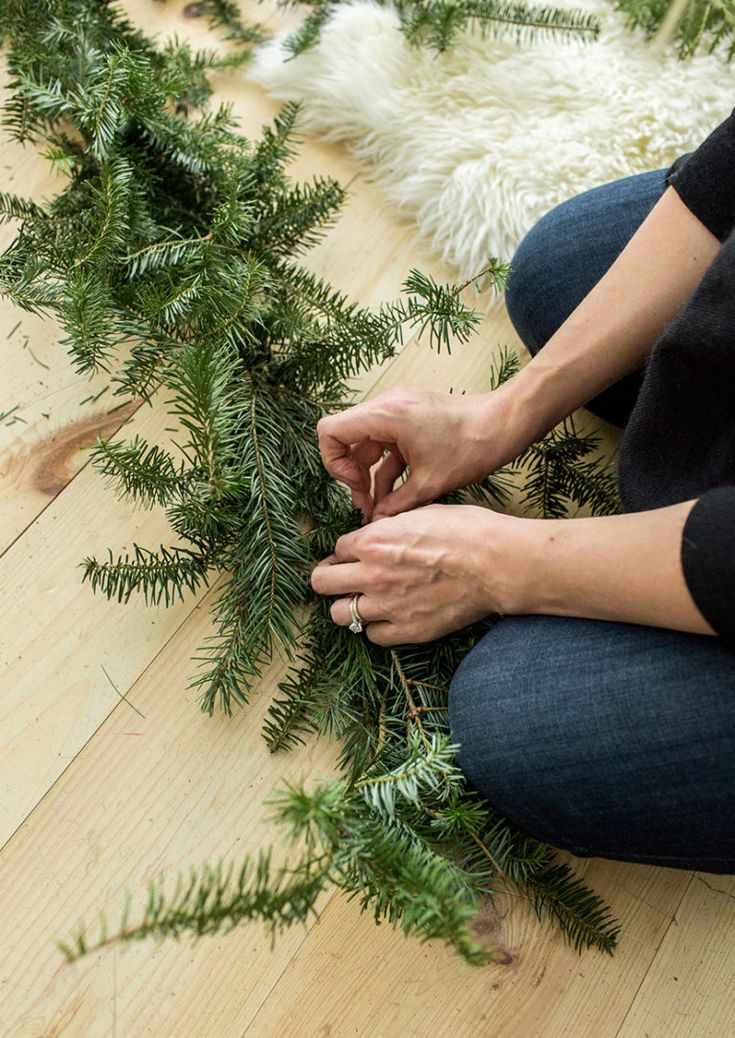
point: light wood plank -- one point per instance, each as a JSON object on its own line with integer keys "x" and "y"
{"x": 350, "y": 977}
{"x": 146, "y": 796}
{"x": 58, "y": 638}
{"x": 689, "y": 988}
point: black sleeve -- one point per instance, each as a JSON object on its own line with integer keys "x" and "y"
{"x": 705, "y": 180}
{"x": 708, "y": 559}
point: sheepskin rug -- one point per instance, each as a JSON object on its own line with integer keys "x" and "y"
{"x": 477, "y": 143}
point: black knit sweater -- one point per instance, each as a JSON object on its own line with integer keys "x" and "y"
{"x": 679, "y": 442}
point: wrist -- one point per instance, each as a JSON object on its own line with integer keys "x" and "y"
{"x": 527, "y": 401}
{"x": 514, "y": 551}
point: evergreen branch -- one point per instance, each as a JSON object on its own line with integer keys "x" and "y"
{"x": 165, "y": 254}
{"x": 204, "y": 379}
{"x": 309, "y": 32}
{"x": 160, "y": 576}
{"x": 582, "y": 916}
{"x": 435, "y": 23}
{"x": 558, "y": 473}
{"x": 215, "y": 901}
{"x": 297, "y": 219}
{"x": 13, "y": 207}
{"x": 433, "y": 769}
{"x": 140, "y": 471}
{"x": 436, "y": 307}
{"x": 505, "y": 365}
{"x": 86, "y": 313}
{"x": 262, "y": 495}
{"x": 225, "y": 15}
{"x": 691, "y": 25}
{"x": 105, "y": 231}
{"x": 176, "y": 235}
{"x": 270, "y": 564}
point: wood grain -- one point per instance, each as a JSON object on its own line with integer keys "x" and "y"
{"x": 147, "y": 796}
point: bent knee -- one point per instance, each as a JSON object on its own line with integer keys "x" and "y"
{"x": 521, "y": 293}
{"x": 507, "y": 728}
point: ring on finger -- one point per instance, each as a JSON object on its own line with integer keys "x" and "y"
{"x": 357, "y": 623}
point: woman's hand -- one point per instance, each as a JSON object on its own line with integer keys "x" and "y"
{"x": 424, "y": 573}
{"x": 444, "y": 441}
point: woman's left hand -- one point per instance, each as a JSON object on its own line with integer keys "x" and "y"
{"x": 423, "y": 573}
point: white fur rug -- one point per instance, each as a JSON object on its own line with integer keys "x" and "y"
{"x": 477, "y": 143}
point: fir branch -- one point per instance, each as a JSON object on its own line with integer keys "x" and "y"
{"x": 433, "y": 769}
{"x": 140, "y": 471}
{"x": 560, "y": 471}
{"x": 165, "y": 254}
{"x": 13, "y": 207}
{"x": 160, "y": 576}
{"x": 86, "y": 314}
{"x": 214, "y": 901}
{"x": 583, "y": 917}
{"x": 297, "y": 219}
{"x": 436, "y": 23}
{"x": 225, "y": 15}
{"x": 436, "y": 307}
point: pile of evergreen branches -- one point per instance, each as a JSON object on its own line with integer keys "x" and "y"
{"x": 179, "y": 238}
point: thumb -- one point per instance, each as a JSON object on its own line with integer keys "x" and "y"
{"x": 407, "y": 496}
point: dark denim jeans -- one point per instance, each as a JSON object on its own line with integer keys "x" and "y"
{"x": 610, "y": 740}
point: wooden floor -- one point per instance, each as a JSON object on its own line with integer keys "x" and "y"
{"x": 98, "y": 794}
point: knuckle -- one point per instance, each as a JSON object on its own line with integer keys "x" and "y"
{"x": 370, "y": 540}
{"x": 323, "y": 425}
{"x": 342, "y": 544}
{"x": 399, "y": 399}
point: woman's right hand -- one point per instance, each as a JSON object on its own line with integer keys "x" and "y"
{"x": 444, "y": 441}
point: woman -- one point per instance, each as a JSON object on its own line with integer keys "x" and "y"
{"x": 599, "y": 713}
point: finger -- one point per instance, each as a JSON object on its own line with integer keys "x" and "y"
{"x": 367, "y": 452}
{"x": 384, "y": 633}
{"x": 337, "y": 579}
{"x": 329, "y": 561}
{"x": 363, "y": 502}
{"x": 387, "y": 473}
{"x": 405, "y": 497}
{"x": 364, "y": 454}
{"x": 345, "y": 550}
{"x": 368, "y": 611}
{"x": 336, "y": 434}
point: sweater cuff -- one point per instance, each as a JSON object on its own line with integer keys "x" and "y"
{"x": 705, "y": 182}
{"x": 708, "y": 559}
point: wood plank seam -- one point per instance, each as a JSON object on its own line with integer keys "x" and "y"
{"x": 673, "y": 922}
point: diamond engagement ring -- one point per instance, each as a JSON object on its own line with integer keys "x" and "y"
{"x": 357, "y": 621}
